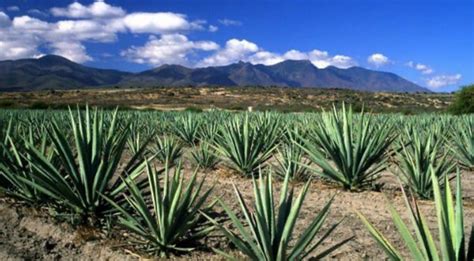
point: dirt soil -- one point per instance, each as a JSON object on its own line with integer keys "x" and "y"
{"x": 30, "y": 234}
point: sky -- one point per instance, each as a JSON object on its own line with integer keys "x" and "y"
{"x": 428, "y": 42}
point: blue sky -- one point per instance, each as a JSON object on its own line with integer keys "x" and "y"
{"x": 428, "y": 42}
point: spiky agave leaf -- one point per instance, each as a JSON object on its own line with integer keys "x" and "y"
{"x": 463, "y": 142}
{"x": 15, "y": 167}
{"x": 423, "y": 246}
{"x": 168, "y": 150}
{"x": 270, "y": 227}
{"x": 88, "y": 164}
{"x": 187, "y": 128}
{"x": 4, "y": 139}
{"x": 205, "y": 156}
{"x": 247, "y": 146}
{"x": 349, "y": 152}
{"x": 291, "y": 160}
{"x": 172, "y": 222}
{"x": 136, "y": 141}
{"x": 421, "y": 157}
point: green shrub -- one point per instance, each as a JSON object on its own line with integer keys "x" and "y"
{"x": 193, "y": 109}
{"x": 6, "y": 104}
{"x": 463, "y": 101}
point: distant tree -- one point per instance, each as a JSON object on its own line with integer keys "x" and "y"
{"x": 463, "y": 101}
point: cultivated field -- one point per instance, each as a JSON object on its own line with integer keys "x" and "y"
{"x": 90, "y": 185}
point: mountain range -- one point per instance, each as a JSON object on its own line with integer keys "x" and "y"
{"x": 56, "y": 72}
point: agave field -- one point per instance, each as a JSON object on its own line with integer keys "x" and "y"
{"x": 246, "y": 185}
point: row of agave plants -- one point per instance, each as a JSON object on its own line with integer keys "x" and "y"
{"x": 90, "y": 165}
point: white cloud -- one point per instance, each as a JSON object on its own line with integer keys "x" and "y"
{"x": 13, "y": 8}
{"x": 264, "y": 57}
{"x": 27, "y": 24}
{"x": 213, "y": 28}
{"x": 159, "y": 23}
{"x": 229, "y": 22}
{"x": 424, "y": 69}
{"x": 378, "y": 59}
{"x": 23, "y": 36}
{"x": 295, "y": 55}
{"x": 85, "y": 30}
{"x": 171, "y": 49}
{"x": 443, "y": 80}
{"x": 96, "y": 9}
{"x": 37, "y": 12}
{"x": 322, "y": 59}
{"x": 14, "y": 43}
{"x": 242, "y": 50}
{"x": 13, "y": 49}
{"x": 4, "y": 20}
{"x": 318, "y": 58}
{"x": 71, "y": 50}
{"x": 234, "y": 50}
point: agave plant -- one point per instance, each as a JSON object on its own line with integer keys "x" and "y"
{"x": 168, "y": 150}
{"x": 422, "y": 157}
{"x": 88, "y": 165}
{"x": 4, "y": 139}
{"x": 451, "y": 245}
{"x": 208, "y": 131}
{"x": 351, "y": 152}
{"x": 463, "y": 143}
{"x": 172, "y": 221}
{"x": 187, "y": 128}
{"x": 205, "y": 157}
{"x": 270, "y": 229}
{"x": 135, "y": 141}
{"x": 5, "y": 130}
{"x": 15, "y": 168}
{"x": 290, "y": 160}
{"x": 247, "y": 146}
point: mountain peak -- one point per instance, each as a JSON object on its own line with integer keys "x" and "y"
{"x": 53, "y": 72}
{"x": 56, "y": 72}
{"x": 54, "y": 58}
{"x": 297, "y": 62}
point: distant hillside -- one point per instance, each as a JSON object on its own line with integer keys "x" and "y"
{"x": 288, "y": 73}
{"x": 55, "y": 72}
